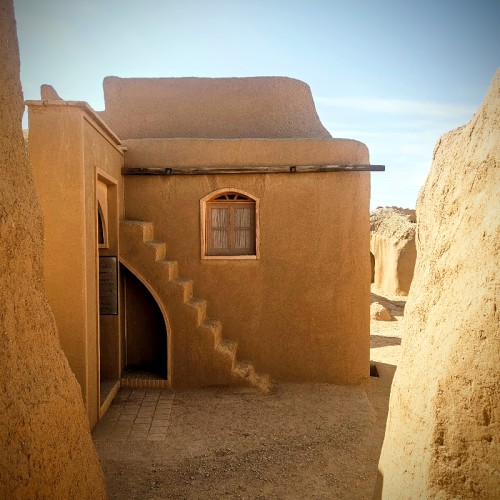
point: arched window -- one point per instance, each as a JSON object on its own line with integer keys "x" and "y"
{"x": 230, "y": 222}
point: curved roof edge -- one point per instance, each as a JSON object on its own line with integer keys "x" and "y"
{"x": 225, "y": 108}
{"x": 188, "y": 152}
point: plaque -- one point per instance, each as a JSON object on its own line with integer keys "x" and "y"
{"x": 108, "y": 286}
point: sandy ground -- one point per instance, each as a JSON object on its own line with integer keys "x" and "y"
{"x": 300, "y": 441}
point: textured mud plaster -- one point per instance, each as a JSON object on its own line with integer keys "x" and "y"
{"x": 273, "y": 107}
{"x": 443, "y": 426}
{"x": 47, "y": 451}
{"x": 201, "y": 152}
{"x": 289, "y": 310}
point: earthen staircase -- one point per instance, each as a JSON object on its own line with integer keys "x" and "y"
{"x": 200, "y": 356}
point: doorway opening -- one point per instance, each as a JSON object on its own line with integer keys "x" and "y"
{"x": 109, "y": 328}
{"x": 145, "y": 332}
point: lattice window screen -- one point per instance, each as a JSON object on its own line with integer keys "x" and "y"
{"x": 230, "y": 225}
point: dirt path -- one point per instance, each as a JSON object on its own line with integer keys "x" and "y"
{"x": 300, "y": 441}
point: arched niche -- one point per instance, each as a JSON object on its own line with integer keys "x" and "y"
{"x": 146, "y": 334}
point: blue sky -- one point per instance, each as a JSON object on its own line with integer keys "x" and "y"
{"x": 392, "y": 74}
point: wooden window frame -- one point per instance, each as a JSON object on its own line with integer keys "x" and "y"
{"x": 203, "y": 223}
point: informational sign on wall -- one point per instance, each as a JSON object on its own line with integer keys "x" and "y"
{"x": 108, "y": 286}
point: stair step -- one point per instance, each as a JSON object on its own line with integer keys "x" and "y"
{"x": 213, "y": 327}
{"x": 245, "y": 371}
{"x": 244, "y": 368}
{"x": 186, "y": 285}
{"x": 200, "y": 308}
{"x": 228, "y": 347}
{"x": 262, "y": 382}
{"x": 144, "y": 383}
{"x": 158, "y": 249}
{"x": 144, "y": 227}
{"x": 171, "y": 267}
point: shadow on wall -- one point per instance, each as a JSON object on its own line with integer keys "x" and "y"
{"x": 379, "y": 486}
{"x": 383, "y": 383}
{"x": 381, "y": 341}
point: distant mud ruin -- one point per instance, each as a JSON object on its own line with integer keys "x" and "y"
{"x": 392, "y": 247}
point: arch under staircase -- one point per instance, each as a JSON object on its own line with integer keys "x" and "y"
{"x": 200, "y": 356}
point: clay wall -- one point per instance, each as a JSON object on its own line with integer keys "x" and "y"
{"x": 182, "y": 152}
{"x": 70, "y": 150}
{"x": 443, "y": 424}
{"x": 47, "y": 450}
{"x": 290, "y": 309}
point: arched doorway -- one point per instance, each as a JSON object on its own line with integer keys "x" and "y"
{"x": 145, "y": 331}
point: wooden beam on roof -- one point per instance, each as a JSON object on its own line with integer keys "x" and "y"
{"x": 281, "y": 169}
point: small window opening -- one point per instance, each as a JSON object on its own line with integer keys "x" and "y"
{"x": 230, "y": 225}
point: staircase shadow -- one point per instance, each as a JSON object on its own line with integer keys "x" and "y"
{"x": 383, "y": 341}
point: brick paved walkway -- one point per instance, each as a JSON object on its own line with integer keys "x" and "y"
{"x": 136, "y": 415}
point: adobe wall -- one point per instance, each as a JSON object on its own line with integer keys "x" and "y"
{"x": 211, "y": 107}
{"x": 392, "y": 242}
{"x": 200, "y": 152}
{"x": 69, "y": 147}
{"x": 290, "y": 310}
{"x": 443, "y": 425}
{"x": 47, "y": 450}
{"x": 103, "y": 155}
